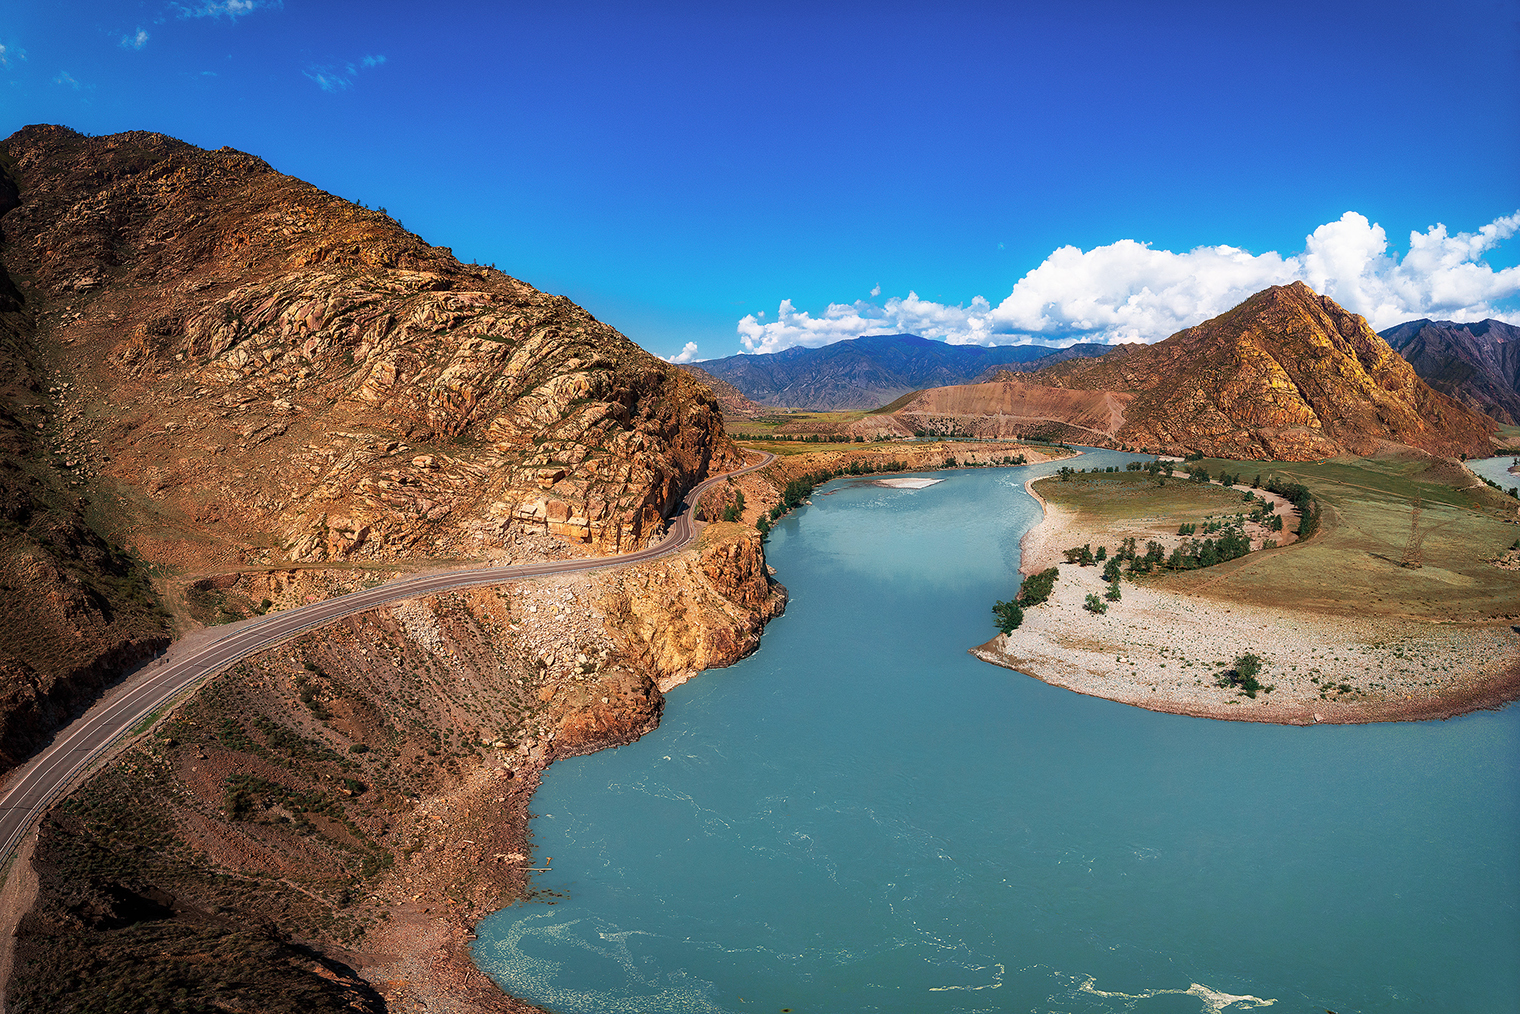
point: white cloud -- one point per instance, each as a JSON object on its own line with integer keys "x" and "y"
{"x": 67, "y": 80}
{"x": 135, "y": 41}
{"x": 1127, "y": 291}
{"x": 340, "y": 79}
{"x": 876, "y": 289}
{"x": 686, "y": 355}
{"x": 231, "y": 9}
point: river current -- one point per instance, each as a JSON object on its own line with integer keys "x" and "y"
{"x": 863, "y": 817}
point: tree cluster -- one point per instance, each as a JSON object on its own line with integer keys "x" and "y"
{"x": 1033, "y": 591}
{"x": 1299, "y": 496}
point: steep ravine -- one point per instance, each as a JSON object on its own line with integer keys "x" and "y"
{"x": 319, "y": 828}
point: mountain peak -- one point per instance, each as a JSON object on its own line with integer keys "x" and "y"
{"x": 1287, "y": 374}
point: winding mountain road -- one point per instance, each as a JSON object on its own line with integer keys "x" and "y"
{"x": 77, "y": 746}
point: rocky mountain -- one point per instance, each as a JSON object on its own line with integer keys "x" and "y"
{"x": 208, "y": 365}
{"x": 1478, "y": 364}
{"x": 1286, "y": 375}
{"x": 862, "y": 373}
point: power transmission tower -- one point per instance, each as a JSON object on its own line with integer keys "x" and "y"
{"x": 1413, "y": 556}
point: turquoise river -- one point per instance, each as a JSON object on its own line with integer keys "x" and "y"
{"x": 863, "y": 817}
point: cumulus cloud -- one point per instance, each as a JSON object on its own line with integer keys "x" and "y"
{"x": 1127, "y": 291}
{"x": 340, "y": 79}
{"x": 135, "y": 41}
{"x": 686, "y": 355}
{"x": 876, "y": 289}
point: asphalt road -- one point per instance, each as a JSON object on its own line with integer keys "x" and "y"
{"x": 35, "y": 785}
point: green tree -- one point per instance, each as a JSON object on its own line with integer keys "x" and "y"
{"x": 1008, "y": 616}
{"x": 1037, "y": 587}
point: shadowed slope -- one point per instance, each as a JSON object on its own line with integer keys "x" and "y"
{"x": 1477, "y": 364}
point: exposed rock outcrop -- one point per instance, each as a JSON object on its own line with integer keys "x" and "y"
{"x": 733, "y": 402}
{"x": 256, "y": 356}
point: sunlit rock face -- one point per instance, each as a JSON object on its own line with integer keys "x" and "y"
{"x": 1286, "y": 375}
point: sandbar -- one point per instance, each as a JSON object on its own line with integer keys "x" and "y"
{"x": 905, "y": 483}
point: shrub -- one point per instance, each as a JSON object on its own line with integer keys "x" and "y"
{"x": 1037, "y": 587}
{"x": 1095, "y": 604}
{"x": 1243, "y": 675}
{"x": 1113, "y": 591}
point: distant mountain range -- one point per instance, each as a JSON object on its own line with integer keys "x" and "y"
{"x": 872, "y": 370}
{"x": 1477, "y": 363}
{"x": 1288, "y": 374}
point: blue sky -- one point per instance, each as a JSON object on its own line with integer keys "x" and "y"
{"x": 681, "y": 170}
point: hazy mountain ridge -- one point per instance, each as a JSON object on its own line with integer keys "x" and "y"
{"x": 862, "y": 373}
{"x": 1478, "y": 363}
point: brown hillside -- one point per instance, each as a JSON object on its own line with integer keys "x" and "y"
{"x": 217, "y": 366}
{"x": 1007, "y": 408}
{"x": 1286, "y": 375}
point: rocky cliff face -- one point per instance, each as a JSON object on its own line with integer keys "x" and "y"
{"x": 1286, "y": 375}
{"x": 1477, "y": 364}
{"x": 735, "y": 405}
{"x": 209, "y": 366}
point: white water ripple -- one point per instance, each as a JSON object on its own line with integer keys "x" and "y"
{"x": 1214, "y": 1002}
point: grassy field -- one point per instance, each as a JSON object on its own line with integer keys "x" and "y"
{"x": 791, "y": 421}
{"x": 1354, "y": 564}
{"x": 784, "y": 448}
{"x": 1132, "y": 504}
